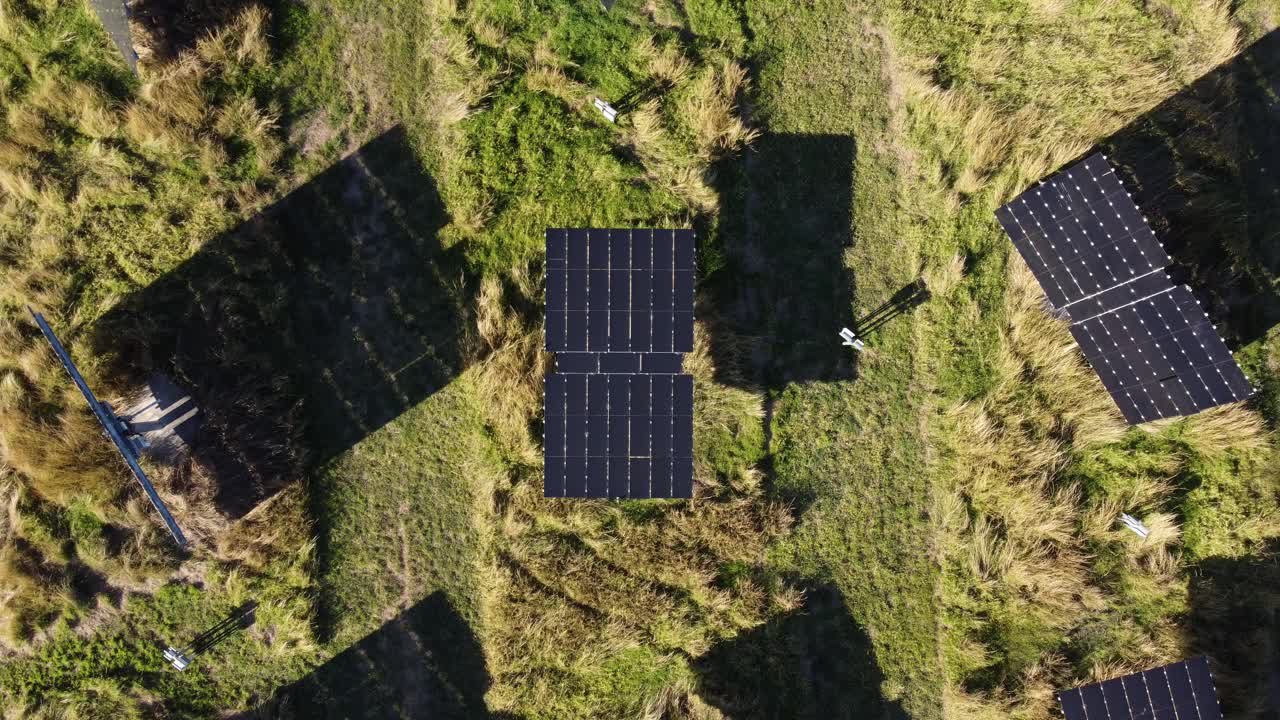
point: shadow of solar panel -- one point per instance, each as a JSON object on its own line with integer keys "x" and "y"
{"x": 619, "y": 413}
{"x": 1180, "y": 690}
{"x": 1100, "y": 265}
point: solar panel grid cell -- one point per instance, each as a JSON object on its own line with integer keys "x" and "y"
{"x": 1072, "y": 704}
{"x": 1095, "y": 704}
{"x": 1158, "y": 691}
{"x": 1117, "y": 703}
{"x": 1184, "y": 698}
{"x": 1135, "y": 692}
{"x": 1202, "y": 685}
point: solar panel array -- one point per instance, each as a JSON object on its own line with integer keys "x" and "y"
{"x": 1101, "y": 266}
{"x": 618, "y": 410}
{"x": 1172, "y": 692}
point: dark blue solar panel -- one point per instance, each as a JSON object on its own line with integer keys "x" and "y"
{"x": 662, "y": 334}
{"x": 666, "y": 363}
{"x": 662, "y": 431}
{"x": 556, "y": 331}
{"x": 619, "y": 332}
{"x": 683, "y": 293}
{"x": 575, "y": 390}
{"x": 684, "y": 249}
{"x": 682, "y": 477}
{"x": 619, "y": 316}
{"x": 1098, "y": 262}
{"x": 1113, "y": 693}
{"x": 620, "y": 271}
{"x": 683, "y": 395}
{"x": 598, "y": 395}
{"x": 1135, "y": 693}
{"x": 1095, "y": 705}
{"x": 663, "y": 249}
{"x": 597, "y": 477}
{"x": 640, "y": 479}
{"x": 577, "y": 363}
{"x": 640, "y": 436}
{"x": 1161, "y": 707}
{"x": 1202, "y": 686}
{"x": 683, "y": 337}
{"x": 598, "y": 249}
{"x": 557, "y": 244}
{"x": 619, "y": 475}
{"x": 642, "y": 249}
{"x": 660, "y": 480}
{"x": 1184, "y": 698}
{"x": 1072, "y": 705}
{"x": 577, "y": 240}
{"x": 553, "y": 473}
{"x": 620, "y": 362}
{"x": 1171, "y": 692}
{"x": 641, "y": 291}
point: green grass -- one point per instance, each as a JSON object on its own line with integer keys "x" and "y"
{"x": 405, "y": 514}
{"x": 931, "y": 538}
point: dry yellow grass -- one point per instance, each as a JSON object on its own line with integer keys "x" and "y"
{"x": 709, "y": 107}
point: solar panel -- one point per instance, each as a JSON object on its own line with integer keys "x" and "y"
{"x": 618, "y": 410}
{"x": 1101, "y": 266}
{"x": 114, "y": 15}
{"x": 111, "y": 425}
{"x": 619, "y": 436}
{"x": 620, "y": 290}
{"x": 1171, "y": 692}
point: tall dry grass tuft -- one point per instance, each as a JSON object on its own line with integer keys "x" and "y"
{"x": 667, "y": 64}
{"x": 709, "y": 107}
{"x": 510, "y": 370}
{"x": 275, "y": 528}
{"x": 1215, "y": 431}
{"x": 553, "y": 81}
{"x": 679, "y": 701}
{"x": 665, "y": 161}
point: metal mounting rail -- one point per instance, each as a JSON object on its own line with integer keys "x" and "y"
{"x": 109, "y": 423}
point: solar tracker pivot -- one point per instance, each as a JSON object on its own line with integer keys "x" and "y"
{"x": 115, "y": 428}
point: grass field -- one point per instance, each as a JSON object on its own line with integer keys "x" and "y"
{"x": 327, "y": 218}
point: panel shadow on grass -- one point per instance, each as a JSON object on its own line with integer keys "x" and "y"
{"x": 815, "y": 663}
{"x": 308, "y": 327}
{"x": 779, "y": 286}
{"x": 425, "y": 663}
{"x": 1235, "y": 620}
{"x": 166, "y": 28}
{"x": 1204, "y": 166}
